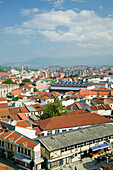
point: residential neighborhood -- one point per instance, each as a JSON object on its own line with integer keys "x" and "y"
{"x": 50, "y": 120}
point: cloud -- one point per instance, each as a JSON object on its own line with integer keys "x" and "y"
{"x": 101, "y": 7}
{"x": 27, "y": 12}
{"x": 82, "y": 1}
{"x": 20, "y": 31}
{"x": 24, "y": 42}
{"x": 58, "y": 3}
{"x": 110, "y": 14}
{"x": 84, "y": 28}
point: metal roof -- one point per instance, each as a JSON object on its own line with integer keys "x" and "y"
{"x": 61, "y": 140}
{"x": 33, "y": 117}
{"x": 31, "y": 109}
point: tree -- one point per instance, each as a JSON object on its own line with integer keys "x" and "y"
{"x": 110, "y": 73}
{"x": 54, "y": 109}
{"x": 35, "y": 89}
{"x": 65, "y": 76}
{"x": 15, "y": 98}
{"x": 8, "y": 81}
{"x": 26, "y": 80}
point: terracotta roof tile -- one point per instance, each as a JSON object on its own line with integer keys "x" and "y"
{"x": 6, "y": 133}
{"x": 25, "y": 141}
{"x": 2, "y": 99}
{"x": 23, "y": 123}
{"x": 72, "y": 121}
{"x": 109, "y": 100}
{"x": 22, "y": 116}
{"x": 23, "y": 109}
{"x": 4, "y": 112}
{"x": 14, "y": 117}
{"x": 14, "y": 110}
{"x": 3, "y": 105}
{"x": 5, "y": 167}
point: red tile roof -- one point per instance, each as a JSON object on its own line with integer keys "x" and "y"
{"x": 72, "y": 121}
{"x": 2, "y": 99}
{"x": 23, "y": 109}
{"x": 6, "y": 133}
{"x": 4, "y": 112}
{"x": 14, "y": 110}
{"x": 3, "y": 105}
{"x": 109, "y": 100}
{"x": 23, "y": 116}
{"x": 5, "y": 167}
{"x": 27, "y": 142}
{"x": 23, "y": 123}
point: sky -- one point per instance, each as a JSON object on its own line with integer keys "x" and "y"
{"x": 76, "y": 31}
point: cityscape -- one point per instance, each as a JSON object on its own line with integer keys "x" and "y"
{"x": 56, "y": 85}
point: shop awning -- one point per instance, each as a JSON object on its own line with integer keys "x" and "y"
{"x": 105, "y": 145}
{"x": 22, "y": 158}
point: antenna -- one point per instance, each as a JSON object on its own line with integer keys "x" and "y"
{"x": 14, "y": 122}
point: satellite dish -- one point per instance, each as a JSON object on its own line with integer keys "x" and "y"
{"x": 14, "y": 122}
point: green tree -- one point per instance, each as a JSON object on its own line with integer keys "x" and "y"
{"x": 15, "y": 98}
{"x": 8, "y": 81}
{"x": 26, "y": 80}
{"x": 56, "y": 99}
{"x": 110, "y": 73}
{"x": 35, "y": 89}
{"x": 54, "y": 109}
{"x": 65, "y": 76}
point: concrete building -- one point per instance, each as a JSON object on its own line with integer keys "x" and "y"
{"x": 65, "y": 148}
{"x": 6, "y": 88}
{"x": 16, "y": 146}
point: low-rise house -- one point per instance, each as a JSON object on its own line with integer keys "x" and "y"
{"x": 109, "y": 102}
{"x": 46, "y": 99}
{"x": 89, "y": 95}
{"x": 41, "y": 84}
{"x": 60, "y": 124}
{"x": 25, "y": 151}
{"x": 23, "y": 102}
{"x": 103, "y": 110}
{"x": 97, "y": 101}
{"x": 6, "y": 88}
{"x": 67, "y": 147}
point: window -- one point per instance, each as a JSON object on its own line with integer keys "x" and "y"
{"x": 8, "y": 145}
{"x": 78, "y": 146}
{"x": 91, "y": 142}
{"x": 2, "y": 143}
{"x": 98, "y": 140}
{"x": 21, "y": 150}
{"x": 75, "y": 146}
{"x": 50, "y": 132}
{"x": 46, "y": 152}
{"x": 63, "y": 150}
{"x": 56, "y": 131}
{"x": 29, "y": 152}
{"x": 75, "y": 154}
{"x": 26, "y": 151}
{"x": 64, "y": 130}
{"x": 18, "y": 149}
{"x": 11, "y": 146}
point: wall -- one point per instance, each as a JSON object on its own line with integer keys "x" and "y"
{"x": 28, "y": 132}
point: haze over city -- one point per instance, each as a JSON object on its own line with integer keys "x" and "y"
{"x": 65, "y": 32}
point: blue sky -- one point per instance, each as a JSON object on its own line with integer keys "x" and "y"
{"x": 81, "y": 30}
